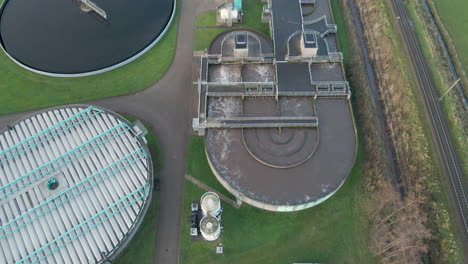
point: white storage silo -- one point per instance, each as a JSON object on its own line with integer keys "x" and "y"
{"x": 210, "y": 228}
{"x": 210, "y": 204}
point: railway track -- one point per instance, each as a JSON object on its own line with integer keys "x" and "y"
{"x": 437, "y": 120}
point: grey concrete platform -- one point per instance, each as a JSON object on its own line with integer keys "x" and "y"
{"x": 331, "y": 43}
{"x": 322, "y": 8}
{"x": 287, "y": 19}
{"x": 294, "y": 77}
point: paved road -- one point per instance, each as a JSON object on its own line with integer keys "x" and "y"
{"x": 437, "y": 120}
{"x": 167, "y": 107}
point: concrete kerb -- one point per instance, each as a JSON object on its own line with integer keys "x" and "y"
{"x": 84, "y": 74}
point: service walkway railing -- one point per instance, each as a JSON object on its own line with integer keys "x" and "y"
{"x": 260, "y": 122}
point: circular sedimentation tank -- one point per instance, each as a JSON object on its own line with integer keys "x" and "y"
{"x": 210, "y": 228}
{"x": 210, "y": 204}
{"x": 81, "y": 37}
{"x": 75, "y": 184}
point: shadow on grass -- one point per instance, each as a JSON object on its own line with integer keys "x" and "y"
{"x": 141, "y": 248}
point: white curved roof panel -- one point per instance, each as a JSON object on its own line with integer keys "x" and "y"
{"x": 75, "y": 182}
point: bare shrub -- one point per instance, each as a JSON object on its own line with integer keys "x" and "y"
{"x": 398, "y": 231}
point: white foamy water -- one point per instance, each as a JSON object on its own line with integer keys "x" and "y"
{"x": 223, "y": 139}
{"x": 226, "y": 73}
{"x": 265, "y": 71}
{"x": 224, "y": 107}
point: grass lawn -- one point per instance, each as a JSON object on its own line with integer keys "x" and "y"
{"x": 252, "y": 19}
{"x": 454, "y": 114}
{"x": 333, "y": 232}
{"x": 141, "y": 248}
{"x": 342, "y": 36}
{"x": 23, "y": 90}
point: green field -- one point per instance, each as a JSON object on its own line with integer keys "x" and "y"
{"x": 333, "y": 232}
{"x": 455, "y": 20}
{"x": 23, "y": 90}
{"x": 448, "y": 236}
{"x": 251, "y": 20}
{"x": 456, "y": 23}
{"x": 141, "y": 248}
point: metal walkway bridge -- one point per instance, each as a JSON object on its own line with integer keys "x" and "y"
{"x": 88, "y": 5}
{"x": 260, "y": 122}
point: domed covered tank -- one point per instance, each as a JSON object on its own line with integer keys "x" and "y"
{"x": 210, "y": 204}
{"x": 210, "y": 228}
{"x": 75, "y": 184}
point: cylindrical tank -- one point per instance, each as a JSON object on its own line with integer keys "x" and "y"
{"x": 210, "y": 204}
{"x": 210, "y": 228}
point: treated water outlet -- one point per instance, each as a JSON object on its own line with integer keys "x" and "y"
{"x": 52, "y": 184}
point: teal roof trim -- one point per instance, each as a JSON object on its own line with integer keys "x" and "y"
{"x": 60, "y": 161}
{"x": 72, "y": 192}
{"x": 41, "y": 136}
{"x": 238, "y": 4}
{"x": 87, "y": 225}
